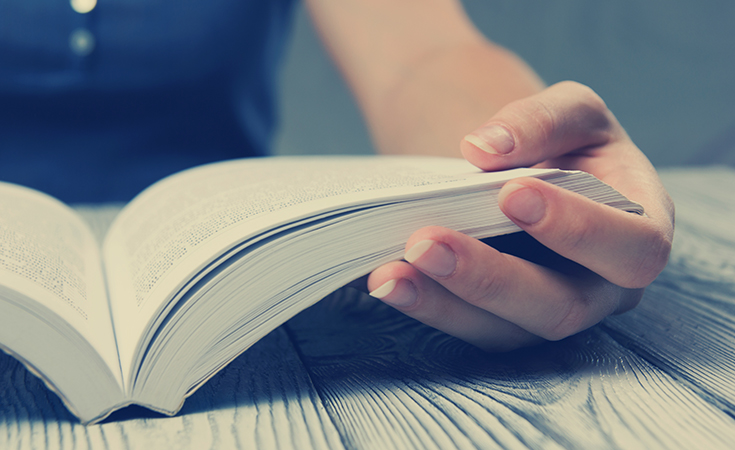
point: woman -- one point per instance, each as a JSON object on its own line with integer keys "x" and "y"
{"x": 100, "y": 102}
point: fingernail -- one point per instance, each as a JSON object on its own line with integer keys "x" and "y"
{"x": 432, "y": 257}
{"x": 397, "y": 293}
{"x": 493, "y": 139}
{"x": 523, "y": 203}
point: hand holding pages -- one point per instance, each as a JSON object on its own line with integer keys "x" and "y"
{"x": 204, "y": 263}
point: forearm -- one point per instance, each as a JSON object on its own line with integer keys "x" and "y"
{"x": 447, "y": 97}
{"x": 422, "y": 74}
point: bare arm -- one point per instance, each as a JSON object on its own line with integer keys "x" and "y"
{"x": 413, "y": 64}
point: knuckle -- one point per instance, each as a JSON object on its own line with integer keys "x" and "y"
{"x": 571, "y": 322}
{"x": 597, "y": 299}
{"x": 533, "y": 121}
{"x": 578, "y": 234}
{"x": 545, "y": 121}
{"x": 591, "y": 112}
{"x": 651, "y": 261}
{"x": 629, "y": 300}
{"x": 484, "y": 288}
{"x": 585, "y": 94}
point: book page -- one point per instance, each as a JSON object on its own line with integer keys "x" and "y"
{"x": 48, "y": 254}
{"x": 175, "y": 228}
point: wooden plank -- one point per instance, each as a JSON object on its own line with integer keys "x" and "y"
{"x": 390, "y": 382}
{"x": 686, "y": 322}
{"x": 264, "y": 399}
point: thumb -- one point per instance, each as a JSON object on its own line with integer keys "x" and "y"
{"x": 564, "y": 117}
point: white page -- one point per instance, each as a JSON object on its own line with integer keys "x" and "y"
{"x": 48, "y": 254}
{"x": 177, "y": 226}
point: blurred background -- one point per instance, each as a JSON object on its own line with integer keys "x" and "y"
{"x": 666, "y": 68}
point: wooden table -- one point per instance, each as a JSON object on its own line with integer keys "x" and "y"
{"x": 352, "y": 373}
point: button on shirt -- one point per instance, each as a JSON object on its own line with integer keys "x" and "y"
{"x": 81, "y": 40}
{"x": 101, "y": 98}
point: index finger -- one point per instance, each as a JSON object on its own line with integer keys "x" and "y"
{"x": 626, "y": 249}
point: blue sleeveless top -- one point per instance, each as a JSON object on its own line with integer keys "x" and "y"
{"x": 97, "y": 106}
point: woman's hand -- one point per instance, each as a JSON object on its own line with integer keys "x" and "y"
{"x": 497, "y": 301}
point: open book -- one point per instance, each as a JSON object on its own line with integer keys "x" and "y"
{"x": 204, "y": 263}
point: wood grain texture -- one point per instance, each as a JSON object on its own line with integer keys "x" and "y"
{"x": 391, "y": 382}
{"x": 262, "y": 400}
